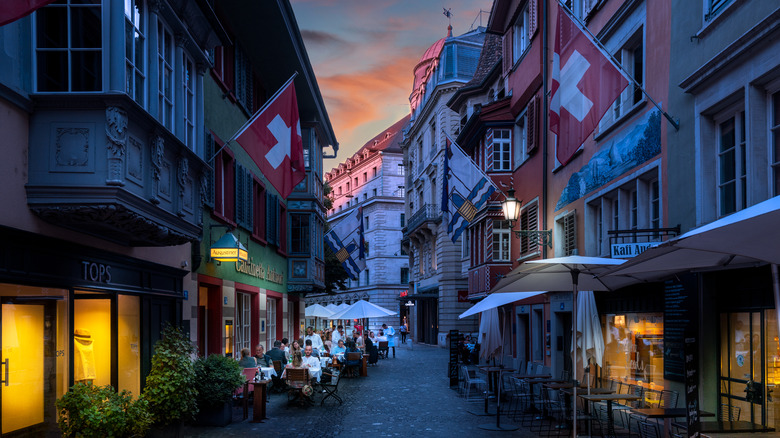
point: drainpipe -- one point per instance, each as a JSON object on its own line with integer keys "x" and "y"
{"x": 545, "y": 118}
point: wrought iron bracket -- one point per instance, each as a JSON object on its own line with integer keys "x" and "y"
{"x": 536, "y": 237}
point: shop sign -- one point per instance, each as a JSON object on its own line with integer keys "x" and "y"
{"x": 463, "y": 296}
{"x": 628, "y": 250}
{"x": 404, "y": 293}
{"x": 409, "y": 303}
{"x": 96, "y": 272}
{"x": 259, "y": 271}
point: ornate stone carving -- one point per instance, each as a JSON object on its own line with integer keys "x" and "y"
{"x": 183, "y": 178}
{"x": 113, "y": 222}
{"x": 116, "y": 131}
{"x": 71, "y": 147}
{"x": 135, "y": 159}
{"x": 157, "y": 156}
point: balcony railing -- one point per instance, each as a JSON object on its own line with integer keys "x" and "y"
{"x": 428, "y": 212}
{"x": 642, "y": 235}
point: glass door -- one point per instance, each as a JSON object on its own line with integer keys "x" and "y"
{"x": 29, "y": 352}
{"x": 742, "y": 383}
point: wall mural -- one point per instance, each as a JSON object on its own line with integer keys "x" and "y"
{"x": 633, "y": 147}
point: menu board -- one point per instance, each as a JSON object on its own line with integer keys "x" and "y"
{"x": 680, "y": 321}
{"x": 452, "y": 372}
{"x": 692, "y": 386}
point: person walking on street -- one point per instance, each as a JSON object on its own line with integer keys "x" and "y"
{"x": 390, "y": 333}
{"x": 403, "y": 331}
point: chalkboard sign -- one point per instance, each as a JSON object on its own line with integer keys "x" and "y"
{"x": 680, "y": 322}
{"x": 691, "y": 352}
{"x": 453, "y": 365}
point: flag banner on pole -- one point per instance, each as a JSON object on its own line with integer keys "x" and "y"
{"x": 273, "y": 139}
{"x": 465, "y": 190}
{"x": 584, "y": 85}
{"x": 12, "y": 10}
{"x": 347, "y": 241}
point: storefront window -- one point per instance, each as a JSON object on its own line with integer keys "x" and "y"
{"x": 633, "y": 347}
{"x": 128, "y": 340}
{"x": 270, "y": 308}
{"x": 34, "y": 355}
{"x": 92, "y": 340}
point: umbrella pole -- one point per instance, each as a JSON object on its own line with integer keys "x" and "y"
{"x": 776, "y": 289}
{"x": 575, "y": 273}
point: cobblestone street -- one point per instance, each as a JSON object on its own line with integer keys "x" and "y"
{"x": 405, "y": 396}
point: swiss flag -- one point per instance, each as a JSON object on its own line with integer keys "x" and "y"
{"x": 12, "y": 10}
{"x": 273, "y": 140}
{"x": 584, "y": 85}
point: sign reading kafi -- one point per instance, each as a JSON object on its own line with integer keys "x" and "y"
{"x": 628, "y": 250}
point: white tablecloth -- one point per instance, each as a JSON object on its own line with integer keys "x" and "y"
{"x": 324, "y": 361}
{"x": 268, "y": 371}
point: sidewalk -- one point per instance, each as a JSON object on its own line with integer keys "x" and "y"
{"x": 408, "y": 395}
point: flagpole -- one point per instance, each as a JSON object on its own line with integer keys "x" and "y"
{"x": 254, "y": 116}
{"x": 616, "y": 64}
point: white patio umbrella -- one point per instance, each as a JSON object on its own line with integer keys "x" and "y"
{"x": 317, "y": 311}
{"x": 563, "y": 273}
{"x": 362, "y": 309}
{"x": 489, "y": 334}
{"x": 497, "y": 300}
{"x": 590, "y": 340}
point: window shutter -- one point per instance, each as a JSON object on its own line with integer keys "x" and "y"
{"x": 249, "y": 185}
{"x": 533, "y": 18}
{"x": 208, "y": 197}
{"x": 270, "y": 219}
{"x": 489, "y": 150}
{"x": 569, "y": 234}
{"x": 532, "y": 133}
{"x": 489, "y": 240}
{"x": 240, "y": 195}
{"x": 529, "y": 222}
{"x": 507, "y": 45}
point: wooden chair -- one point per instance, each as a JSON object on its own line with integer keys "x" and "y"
{"x": 278, "y": 384}
{"x": 352, "y": 366}
{"x": 383, "y": 349}
{"x": 296, "y": 379}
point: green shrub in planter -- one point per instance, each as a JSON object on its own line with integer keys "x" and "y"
{"x": 170, "y": 385}
{"x": 87, "y": 410}
{"x": 216, "y": 377}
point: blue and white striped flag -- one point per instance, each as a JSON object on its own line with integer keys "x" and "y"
{"x": 347, "y": 241}
{"x": 465, "y": 191}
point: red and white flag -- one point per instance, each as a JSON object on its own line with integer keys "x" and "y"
{"x": 273, "y": 140}
{"x": 584, "y": 85}
{"x": 12, "y": 10}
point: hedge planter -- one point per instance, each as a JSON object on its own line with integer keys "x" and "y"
{"x": 215, "y": 415}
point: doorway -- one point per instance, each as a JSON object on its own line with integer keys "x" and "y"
{"x": 523, "y": 349}
{"x": 29, "y": 331}
{"x": 741, "y": 382}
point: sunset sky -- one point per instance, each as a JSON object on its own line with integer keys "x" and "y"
{"x": 364, "y": 53}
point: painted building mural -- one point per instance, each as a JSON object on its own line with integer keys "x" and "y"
{"x": 625, "y": 151}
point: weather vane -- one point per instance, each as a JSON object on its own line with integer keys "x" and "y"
{"x": 448, "y": 13}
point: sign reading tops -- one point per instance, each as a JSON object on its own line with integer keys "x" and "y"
{"x": 260, "y": 271}
{"x": 628, "y": 250}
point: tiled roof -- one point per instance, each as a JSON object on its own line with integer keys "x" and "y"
{"x": 490, "y": 55}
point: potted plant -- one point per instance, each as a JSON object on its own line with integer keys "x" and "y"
{"x": 87, "y": 410}
{"x": 170, "y": 385}
{"x": 216, "y": 378}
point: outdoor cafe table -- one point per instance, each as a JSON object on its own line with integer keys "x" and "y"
{"x": 258, "y": 406}
{"x": 667, "y": 414}
{"x": 609, "y": 398}
{"x": 532, "y": 380}
{"x": 492, "y": 378}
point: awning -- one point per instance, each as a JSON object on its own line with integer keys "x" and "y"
{"x": 497, "y": 300}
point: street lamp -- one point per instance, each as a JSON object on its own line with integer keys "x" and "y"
{"x": 511, "y": 207}
{"x": 228, "y": 249}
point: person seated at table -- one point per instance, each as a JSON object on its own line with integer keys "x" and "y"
{"x": 372, "y": 351}
{"x": 247, "y": 361}
{"x": 381, "y": 337}
{"x": 352, "y": 348}
{"x": 339, "y": 349}
{"x": 296, "y": 361}
{"x": 463, "y": 351}
{"x": 277, "y": 353}
{"x": 372, "y": 336}
{"x": 314, "y": 351}
{"x": 311, "y": 362}
{"x": 286, "y": 348}
{"x": 357, "y": 338}
{"x": 316, "y": 340}
{"x": 262, "y": 359}
{"x": 295, "y": 347}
